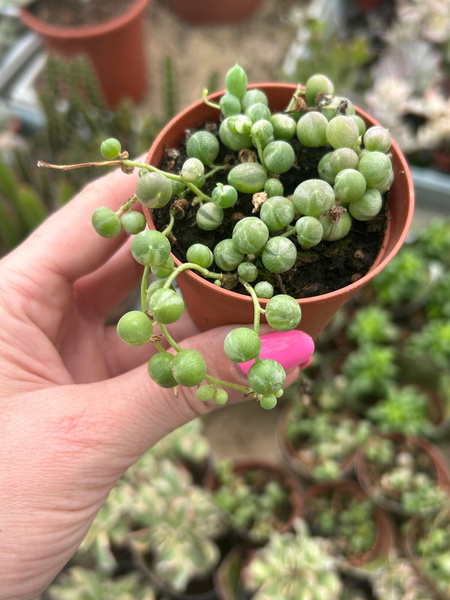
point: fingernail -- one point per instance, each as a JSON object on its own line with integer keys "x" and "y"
{"x": 289, "y": 348}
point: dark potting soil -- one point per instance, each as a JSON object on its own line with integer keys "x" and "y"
{"x": 78, "y": 13}
{"x": 327, "y": 267}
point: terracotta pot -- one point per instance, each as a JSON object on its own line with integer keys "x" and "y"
{"x": 371, "y": 489}
{"x": 228, "y": 575}
{"x": 362, "y": 565}
{"x": 210, "y": 306}
{"x": 204, "y": 12}
{"x": 276, "y": 473}
{"x": 116, "y": 49}
{"x": 291, "y": 456}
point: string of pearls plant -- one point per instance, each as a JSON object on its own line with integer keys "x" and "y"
{"x": 352, "y": 176}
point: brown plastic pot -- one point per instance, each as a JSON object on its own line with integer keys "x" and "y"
{"x": 364, "y": 565}
{"x": 116, "y": 49}
{"x": 211, "y": 306}
{"x": 370, "y": 487}
{"x": 411, "y": 535}
{"x": 205, "y": 12}
{"x": 276, "y": 473}
{"x": 291, "y": 456}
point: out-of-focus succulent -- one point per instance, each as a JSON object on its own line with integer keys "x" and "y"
{"x": 293, "y": 566}
{"x": 403, "y": 410}
{"x": 399, "y": 581}
{"x": 111, "y": 526}
{"x": 252, "y": 506}
{"x": 324, "y": 440}
{"x": 82, "y": 584}
{"x": 181, "y": 525}
{"x": 372, "y": 325}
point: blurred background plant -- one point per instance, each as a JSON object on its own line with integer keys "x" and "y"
{"x": 409, "y": 93}
{"x": 76, "y": 122}
{"x": 394, "y": 58}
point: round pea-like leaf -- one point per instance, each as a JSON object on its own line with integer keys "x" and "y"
{"x": 279, "y": 254}
{"x": 283, "y": 312}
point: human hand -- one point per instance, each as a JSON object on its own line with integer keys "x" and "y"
{"x": 77, "y": 407}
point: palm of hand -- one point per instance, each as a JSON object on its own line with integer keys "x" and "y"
{"x": 60, "y": 385}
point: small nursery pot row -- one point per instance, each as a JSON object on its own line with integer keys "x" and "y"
{"x": 353, "y": 535}
{"x": 405, "y": 475}
{"x": 337, "y": 510}
{"x": 258, "y": 498}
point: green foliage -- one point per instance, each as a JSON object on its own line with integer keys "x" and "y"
{"x": 347, "y": 519}
{"x": 403, "y": 410}
{"x": 185, "y": 444}
{"x": 404, "y": 475}
{"x": 346, "y": 64}
{"x": 82, "y": 584}
{"x": 253, "y": 499}
{"x": 370, "y": 371}
{"x": 438, "y": 305}
{"x": 77, "y": 121}
{"x": 433, "y": 548}
{"x": 372, "y": 325}
{"x": 432, "y": 342}
{"x": 181, "y": 523}
{"x": 398, "y": 580}
{"x": 403, "y": 280}
{"x": 324, "y": 440}
{"x": 262, "y": 243}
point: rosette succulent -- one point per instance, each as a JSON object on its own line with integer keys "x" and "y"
{"x": 279, "y": 225}
{"x": 293, "y": 565}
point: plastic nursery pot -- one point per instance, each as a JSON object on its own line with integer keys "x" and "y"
{"x": 290, "y": 454}
{"x": 115, "y": 47}
{"x": 144, "y": 565}
{"x": 227, "y": 577}
{"x": 366, "y": 564}
{"x": 203, "y": 12}
{"x": 437, "y": 460}
{"x": 411, "y": 535}
{"x": 275, "y": 472}
{"x": 211, "y": 306}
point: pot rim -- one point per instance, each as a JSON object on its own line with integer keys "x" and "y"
{"x": 86, "y": 31}
{"x": 384, "y": 533}
{"x": 287, "y": 448}
{"x": 378, "y": 264}
{"x": 371, "y": 487}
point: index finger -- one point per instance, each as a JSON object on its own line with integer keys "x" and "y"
{"x": 66, "y": 243}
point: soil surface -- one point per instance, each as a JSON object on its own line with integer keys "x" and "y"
{"x": 78, "y": 13}
{"x": 327, "y": 267}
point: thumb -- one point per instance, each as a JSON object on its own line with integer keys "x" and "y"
{"x": 143, "y": 412}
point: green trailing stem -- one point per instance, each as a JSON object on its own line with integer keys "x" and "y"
{"x": 194, "y": 267}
